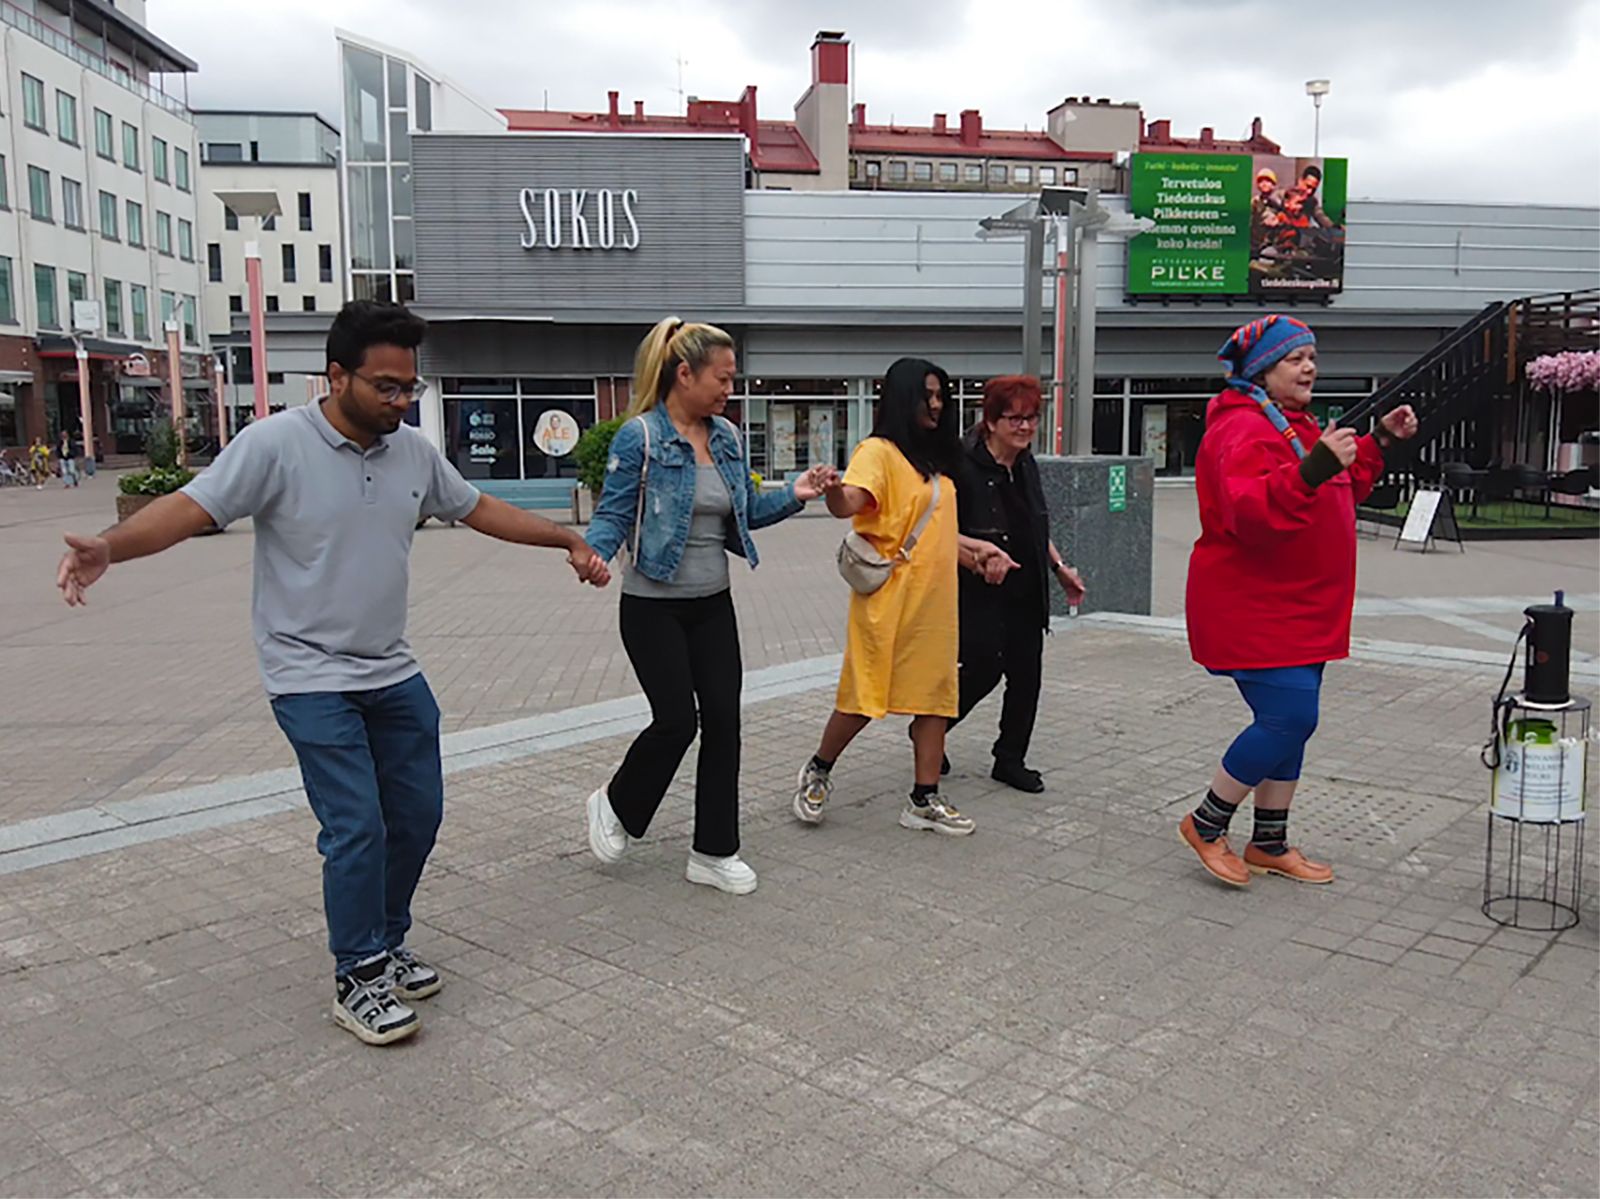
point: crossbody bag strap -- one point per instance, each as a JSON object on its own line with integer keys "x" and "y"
{"x": 922, "y": 523}
{"x": 644, "y": 481}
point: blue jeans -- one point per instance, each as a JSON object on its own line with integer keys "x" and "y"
{"x": 1284, "y": 702}
{"x": 370, "y": 763}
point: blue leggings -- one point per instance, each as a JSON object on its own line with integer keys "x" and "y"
{"x": 1284, "y": 702}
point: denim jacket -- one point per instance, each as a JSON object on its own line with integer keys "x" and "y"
{"x": 669, "y": 496}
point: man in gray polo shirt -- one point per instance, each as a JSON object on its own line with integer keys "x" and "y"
{"x": 336, "y": 490}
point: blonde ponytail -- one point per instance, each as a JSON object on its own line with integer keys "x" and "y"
{"x": 671, "y": 342}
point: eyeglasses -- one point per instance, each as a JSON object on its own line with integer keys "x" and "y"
{"x": 1020, "y": 421}
{"x": 389, "y": 391}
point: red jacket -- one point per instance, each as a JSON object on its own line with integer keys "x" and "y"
{"x": 1272, "y": 579}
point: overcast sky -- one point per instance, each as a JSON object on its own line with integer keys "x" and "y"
{"x": 1431, "y": 99}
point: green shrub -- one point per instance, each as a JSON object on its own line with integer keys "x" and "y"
{"x": 593, "y": 452}
{"x": 161, "y": 448}
{"x": 158, "y": 480}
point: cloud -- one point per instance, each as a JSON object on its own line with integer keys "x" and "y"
{"x": 1431, "y": 99}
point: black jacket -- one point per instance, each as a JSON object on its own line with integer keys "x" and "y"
{"x": 981, "y": 512}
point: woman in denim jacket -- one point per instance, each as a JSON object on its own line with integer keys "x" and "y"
{"x": 678, "y": 518}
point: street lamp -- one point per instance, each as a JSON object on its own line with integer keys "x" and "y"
{"x": 262, "y": 205}
{"x": 1316, "y": 89}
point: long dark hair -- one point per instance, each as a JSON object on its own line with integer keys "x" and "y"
{"x": 904, "y": 400}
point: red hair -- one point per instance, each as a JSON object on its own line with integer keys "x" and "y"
{"x": 1002, "y": 392}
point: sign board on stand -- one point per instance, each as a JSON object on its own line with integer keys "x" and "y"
{"x": 1430, "y": 510}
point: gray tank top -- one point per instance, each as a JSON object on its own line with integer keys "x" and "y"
{"x": 703, "y": 570}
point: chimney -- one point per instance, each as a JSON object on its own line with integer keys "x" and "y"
{"x": 971, "y": 127}
{"x": 1207, "y": 135}
{"x": 612, "y": 117}
{"x": 858, "y": 116}
{"x": 940, "y": 125}
{"x": 1255, "y": 129}
{"x": 1161, "y": 131}
{"x": 638, "y": 110}
{"x": 747, "y": 115}
{"x": 830, "y": 58}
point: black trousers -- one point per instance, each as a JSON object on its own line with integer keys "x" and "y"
{"x": 686, "y": 656}
{"x": 1002, "y": 636}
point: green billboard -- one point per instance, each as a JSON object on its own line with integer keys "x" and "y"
{"x": 1237, "y": 224}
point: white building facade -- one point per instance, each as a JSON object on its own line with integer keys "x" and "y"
{"x": 98, "y": 183}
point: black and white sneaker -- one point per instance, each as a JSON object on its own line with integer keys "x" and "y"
{"x": 364, "y": 1005}
{"x": 413, "y": 978}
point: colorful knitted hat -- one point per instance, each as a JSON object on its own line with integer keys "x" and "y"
{"x": 1255, "y": 348}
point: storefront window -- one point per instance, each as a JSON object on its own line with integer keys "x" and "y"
{"x": 509, "y": 428}
{"x": 481, "y": 438}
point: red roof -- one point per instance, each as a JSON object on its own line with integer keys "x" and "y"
{"x": 1157, "y": 138}
{"x": 777, "y": 145}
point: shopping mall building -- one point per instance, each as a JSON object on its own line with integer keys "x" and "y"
{"x": 541, "y": 247}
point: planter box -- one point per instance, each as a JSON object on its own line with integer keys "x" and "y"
{"x": 127, "y": 505}
{"x": 582, "y": 505}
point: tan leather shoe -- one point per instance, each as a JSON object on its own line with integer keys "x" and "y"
{"x": 1291, "y": 863}
{"x": 1216, "y": 856}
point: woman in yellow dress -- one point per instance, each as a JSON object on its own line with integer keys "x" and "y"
{"x": 900, "y": 653}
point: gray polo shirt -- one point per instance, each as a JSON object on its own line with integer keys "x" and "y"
{"x": 333, "y": 527}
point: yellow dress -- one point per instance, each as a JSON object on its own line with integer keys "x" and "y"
{"x": 900, "y": 653}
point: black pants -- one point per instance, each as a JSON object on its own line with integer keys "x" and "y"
{"x": 686, "y": 656}
{"x": 1002, "y": 637}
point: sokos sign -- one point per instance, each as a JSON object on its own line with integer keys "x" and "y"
{"x": 544, "y": 224}
{"x": 555, "y": 217}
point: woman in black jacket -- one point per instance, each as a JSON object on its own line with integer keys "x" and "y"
{"x": 1007, "y": 568}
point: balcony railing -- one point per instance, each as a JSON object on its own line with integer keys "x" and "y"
{"x": 83, "y": 56}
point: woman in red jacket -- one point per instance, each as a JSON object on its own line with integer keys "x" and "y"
{"x": 1272, "y": 579}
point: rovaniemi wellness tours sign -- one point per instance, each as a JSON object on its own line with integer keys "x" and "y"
{"x": 1237, "y": 224}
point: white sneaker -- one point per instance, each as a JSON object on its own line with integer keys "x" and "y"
{"x": 607, "y": 837}
{"x": 935, "y": 816}
{"x": 725, "y": 874}
{"x": 811, "y": 792}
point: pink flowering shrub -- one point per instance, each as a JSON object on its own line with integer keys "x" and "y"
{"x": 1569, "y": 371}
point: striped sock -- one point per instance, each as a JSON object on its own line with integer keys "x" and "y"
{"x": 1272, "y": 830}
{"x": 1212, "y": 816}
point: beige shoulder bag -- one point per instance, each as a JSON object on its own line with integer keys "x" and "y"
{"x": 864, "y": 568}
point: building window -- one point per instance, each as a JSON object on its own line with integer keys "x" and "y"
{"x": 104, "y": 135}
{"x": 424, "y": 108}
{"x": 1047, "y": 175}
{"x": 71, "y": 203}
{"x": 269, "y": 224}
{"x": 77, "y": 286}
{"x": 325, "y": 263}
{"x": 33, "y": 109}
{"x": 922, "y": 172}
{"x": 191, "y": 327}
{"x": 158, "y": 159}
{"x": 39, "y": 194}
{"x": 874, "y": 169}
{"x": 947, "y": 172}
{"x": 113, "y": 308}
{"x": 108, "y": 216}
{"x": 224, "y": 151}
{"x": 998, "y": 173}
{"x": 236, "y": 303}
{"x": 8, "y": 298}
{"x": 255, "y": 151}
{"x": 369, "y": 219}
{"x": 135, "y": 224}
{"x": 230, "y": 219}
{"x": 974, "y": 172}
{"x": 163, "y": 233}
{"x": 44, "y": 295}
{"x": 214, "y": 262}
{"x": 305, "y": 212}
{"x": 1022, "y": 175}
{"x": 368, "y": 286}
{"x": 130, "y": 146}
{"x": 308, "y": 303}
{"x": 185, "y": 240}
{"x": 854, "y": 168}
{"x": 364, "y": 105}
{"x": 288, "y": 263}
{"x": 898, "y": 172}
{"x": 272, "y": 303}
{"x": 180, "y": 169}
{"x": 1069, "y": 174}
{"x": 139, "y": 309}
{"x": 5, "y": 184}
{"x": 67, "y": 118}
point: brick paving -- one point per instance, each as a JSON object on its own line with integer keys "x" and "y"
{"x": 1060, "y": 1004}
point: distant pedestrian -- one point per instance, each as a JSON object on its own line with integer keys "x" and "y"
{"x": 1272, "y": 579}
{"x": 334, "y": 489}
{"x": 68, "y": 455}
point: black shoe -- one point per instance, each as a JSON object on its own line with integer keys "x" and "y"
{"x": 944, "y": 759}
{"x": 1015, "y": 774}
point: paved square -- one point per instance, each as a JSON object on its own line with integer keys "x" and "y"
{"x": 1060, "y": 1004}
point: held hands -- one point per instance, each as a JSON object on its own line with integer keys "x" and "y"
{"x": 83, "y": 563}
{"x": 1401, "y": 424}
{"x": 588, "y": 565}
{"x": 816, "y": 481}
{"x": 993, "y": 563}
